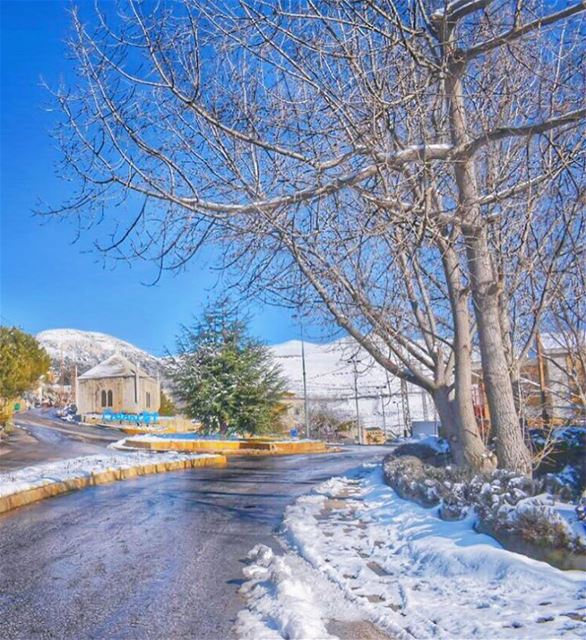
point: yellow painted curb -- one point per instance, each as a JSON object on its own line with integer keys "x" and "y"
{"x": 227, "y": 447}
{"x": 107, "y": 476}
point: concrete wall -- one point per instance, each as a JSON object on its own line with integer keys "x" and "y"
{"x": 125, "y": 396}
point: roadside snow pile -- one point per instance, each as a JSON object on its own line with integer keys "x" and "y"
{"x": 287, "y": 598}
{"x": 13, "y": 482}
{"x": 410, "y": 571}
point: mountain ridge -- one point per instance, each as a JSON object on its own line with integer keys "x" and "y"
{"x": 70, "y": 347}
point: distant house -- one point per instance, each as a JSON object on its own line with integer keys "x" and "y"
{"x": 552, "y": 389}
{"x": 117, "y": 385}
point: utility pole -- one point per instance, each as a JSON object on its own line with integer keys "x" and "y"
{"x": 358, "y": 425}
{"x": 405, "y": 407}
{"x": 382, "y": 404}
{"x": 61, "y": 380}
{"x": 305, "y": 408}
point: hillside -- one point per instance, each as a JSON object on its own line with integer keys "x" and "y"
{"x": 330, "y": 381}
{"x": 88, "y": 348}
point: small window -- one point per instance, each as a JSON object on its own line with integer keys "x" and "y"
{"x": 148, "y": 400}
{"x": 104, "y": 399}
{"x": 110, "y": 400}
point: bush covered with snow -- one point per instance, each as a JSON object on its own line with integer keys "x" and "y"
{"x": 567, "y": 483}
{"x": 414, "y": 480}
{"x": 514, "y": 504}
{"x": 564, "y": 463}
{"x": 502, "y": 501}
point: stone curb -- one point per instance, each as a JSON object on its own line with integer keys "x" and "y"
{"x": 228, "y": 447}
{"x": 15, "y": 500}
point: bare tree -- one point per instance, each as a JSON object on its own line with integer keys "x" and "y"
{"x": 387, "y": 151}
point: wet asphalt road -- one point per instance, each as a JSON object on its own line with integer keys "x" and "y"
{"x": 156, "y": 557}
{"x": 38, "y": 437}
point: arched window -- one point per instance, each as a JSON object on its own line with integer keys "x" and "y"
{"x": 148, "y": 400}
{"x": 110, "y": 402}
{"x": 104, "y": 399}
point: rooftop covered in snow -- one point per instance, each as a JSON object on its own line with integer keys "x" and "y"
{"x": 115, "y": 366}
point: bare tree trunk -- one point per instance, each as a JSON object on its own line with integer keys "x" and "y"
{"x": 513, "y": 363}
{"x": 512, "y": 451}
{"x": 459, "y": 427}
{"x": 449, "y": 421}
{"x": 465, "y": 435}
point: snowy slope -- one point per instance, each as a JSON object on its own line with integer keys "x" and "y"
{"x": 330, "y": 379}
{"x": 88, "y": 348}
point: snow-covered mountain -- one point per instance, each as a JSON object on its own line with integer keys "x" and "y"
{"x": 88, "y": 348}
{"x": 329, "y": 368}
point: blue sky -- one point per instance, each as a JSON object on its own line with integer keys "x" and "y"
{"x": 47, "y": 279}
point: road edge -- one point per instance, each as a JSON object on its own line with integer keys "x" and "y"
{"x": 29, "y": 496}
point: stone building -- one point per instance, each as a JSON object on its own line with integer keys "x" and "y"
{"x": 117, "y": 385}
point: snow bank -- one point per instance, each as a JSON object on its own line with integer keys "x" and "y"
{"x": 413, "y": 573}
{"x": 287, "y": 598}
{"x": 13, "y": 482}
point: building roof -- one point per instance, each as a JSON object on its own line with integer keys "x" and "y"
{"x": 115, "y": 366}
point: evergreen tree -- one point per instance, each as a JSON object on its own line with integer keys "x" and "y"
{"x": 22, "y": 362}
{"x": 167, "y": 406}
{"x": 225, "y": 378}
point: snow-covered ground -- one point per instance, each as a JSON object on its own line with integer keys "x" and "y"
{"x": 412, "y": 574}
{"x": 288, "y": 598}
{"x": 12, "y": 482}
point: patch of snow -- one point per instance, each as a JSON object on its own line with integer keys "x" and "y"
{"x": 115, "y": 365}
{"x": 287, "y": 598}
{"x": 439, "y": 445}
{"x": 407, "y": 569}
{"x": 35, "y": 476}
